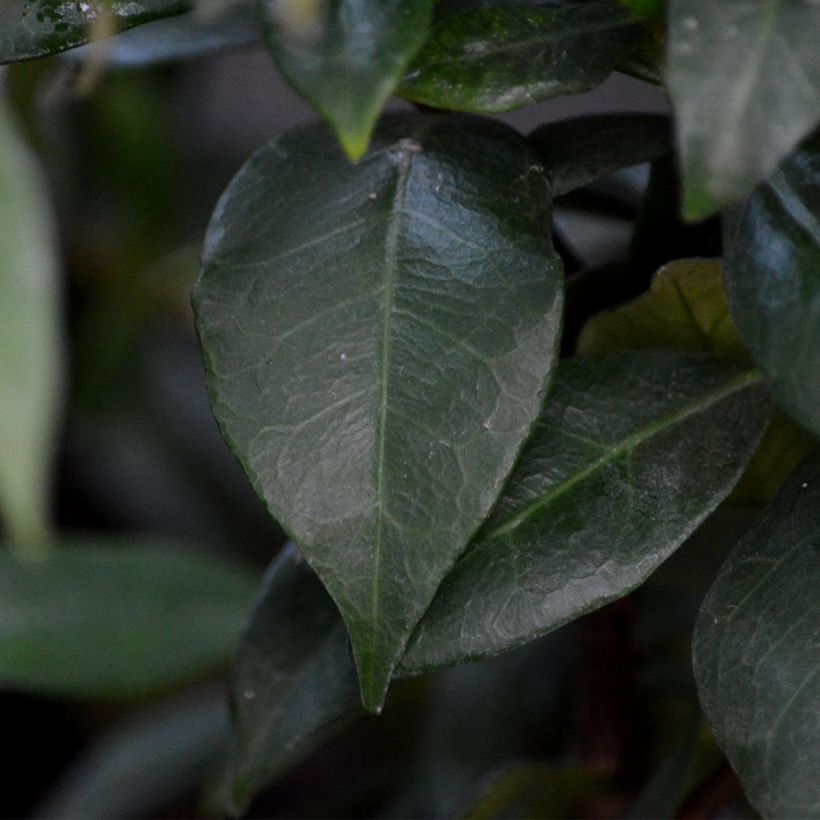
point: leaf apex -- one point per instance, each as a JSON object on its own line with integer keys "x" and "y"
{"x": 354, "y": 143}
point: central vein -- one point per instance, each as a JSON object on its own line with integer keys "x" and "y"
{"x": 391, "y": 266}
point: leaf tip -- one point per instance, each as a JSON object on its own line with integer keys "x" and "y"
{"x": 354, "y": 143}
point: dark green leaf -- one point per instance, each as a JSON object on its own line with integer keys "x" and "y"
{"x": 116, "y": 620}
{"x": 345, "y": 56}
{"x": 744, "y": 77}
{"x": 632, "y": 452}
{"x": 773, "y": 281}
{"x": 757, "y": 652}
{"x": 687, "y": 309}
{"x": 577, "y": 152}
{"x": 293, "y": 682}
{"x": 378, "y": 340}
{"x": 498, "y": 59}
{"x": 30, "y": 343}
{"x": 36, "y": 28}
{"x": 179, "y": 38}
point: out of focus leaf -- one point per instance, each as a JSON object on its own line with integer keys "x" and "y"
{"x": 506, "y": 57}
{"x": 757, "y": 652}
{"x": 144, "y": 762}
{"x": 537, "y": 791}
{"x": 345, "y": 56}
{"x": 178, "y": 38}
{"x": 773, "y": 280}
{"x": 744, "y": 78}
{"x": 577, "y": 152}
{"x": 30, "y": 343}
{"x": 35, "y": 28}
{"x": 117, "y": 620}
{"x": 293, "y": 681}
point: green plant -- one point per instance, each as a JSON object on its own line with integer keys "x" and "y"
{"x": 380, "y": 309}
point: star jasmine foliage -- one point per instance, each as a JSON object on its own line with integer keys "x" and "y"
{"x": 470, "y": 438}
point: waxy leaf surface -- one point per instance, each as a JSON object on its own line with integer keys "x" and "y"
{"x": 632, "y": 453}
{"x": 345, "y": 56}
{"x": 757, "y": 652}
{"x": 510, "y": 56}
{"x": 378, "y": 340}
{"x": 772, "y": 246}
{"x": 744, "y": 78}
{"x": 577, "y": 152}
{"x": 30, "y": 341}
{"x": 293, "y": 682}
{"x": 37, "y": 28}
{"x": 117, "y": 620}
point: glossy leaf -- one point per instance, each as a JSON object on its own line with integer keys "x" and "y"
{"x": 631, "y": 454}
{"x": 345, "y": 56}
{"x": 510, "y": 56}
{"x": 757, "y": 652}
{"x": 744, "y": 77}
{"x": 293, "y": 683}
{"x": 686, "y": 309}
{"x": 577, "y": 152}
{"x": 178, "y": 38}
{"x": 116, "y": 620}
{"x": 773, "y": 281}
{"x": 30, "y": 343}
{"x": 378, "y": 340}
{"x": 36, "y": 28}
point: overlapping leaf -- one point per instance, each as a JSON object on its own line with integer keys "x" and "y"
{"x": 577, "y": 152}
{"x": 509, "y": 56}
{"x": 632, "y": 452}
{"x": 757, "y": 652}
{"x": 773, "y": 281}
{"x": 640, "y": 428}
{"x": 744, "y": 77}
{"x": 36, "y": 28}
{"x": 346, "y": 56}
{"x": 687, "y": 309}
{"x": 378, "y": 340}
{"x": 100, "y": 619}
{"x": 293, "y": 682}
{"x": 30, "y": 343}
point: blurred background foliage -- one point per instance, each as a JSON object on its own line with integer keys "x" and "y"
{"x": 599, "y": 719}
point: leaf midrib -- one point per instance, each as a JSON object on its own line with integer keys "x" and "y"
{"x": 741, "y": 381}
{"x": 391, "y": 266}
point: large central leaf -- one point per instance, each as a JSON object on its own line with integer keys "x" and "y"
{"x": 379, "y": 339}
